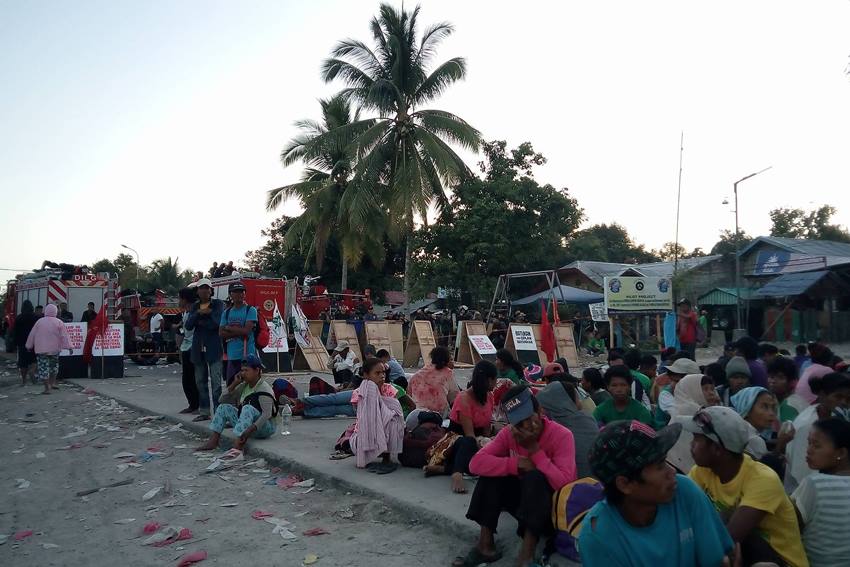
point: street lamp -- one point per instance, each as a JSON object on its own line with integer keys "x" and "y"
{"x": 137, "y": 264}
{"x": 738, "y": 249}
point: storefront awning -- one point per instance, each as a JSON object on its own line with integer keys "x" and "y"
{"x": 788, "y": 285}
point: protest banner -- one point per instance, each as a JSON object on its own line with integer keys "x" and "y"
{"x": 483, "y": 347}
{"x": 598, "y": 312}
{"x": 77, "y": 334}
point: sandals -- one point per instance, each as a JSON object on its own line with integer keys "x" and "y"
{"x": 475, "y": 558}
{"x": 202, "y": 417}
{"x": 384, "y": 468}
{"x": 340, "y": 455}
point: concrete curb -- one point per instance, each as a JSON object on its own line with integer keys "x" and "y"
{"x": 410, "y": 512}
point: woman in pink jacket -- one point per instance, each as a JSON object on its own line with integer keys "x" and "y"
{"x": 519, "y": 470}
{"x": 48, "y": 338}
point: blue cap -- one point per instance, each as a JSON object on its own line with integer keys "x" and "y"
{"x": 519, "y": 408}
{"x": 254, "y": 361}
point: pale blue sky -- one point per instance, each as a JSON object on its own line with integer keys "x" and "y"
{"x": 163, "y": 121}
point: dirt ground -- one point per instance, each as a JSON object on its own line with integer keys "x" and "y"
{"x": 58, "y": 445}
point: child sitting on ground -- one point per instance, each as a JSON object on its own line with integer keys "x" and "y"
{"x": 379, "y": 429}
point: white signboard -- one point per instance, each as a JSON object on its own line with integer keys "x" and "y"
{"x": 523, "y": 338}
{"x": 277, "y": 333}
{"x": 482, "y": 344}
{"x": 111, "y": 343}
{"x": 77, "y": 334}
{"x": 598, "y": 312}
{"x": 638, "y": 295}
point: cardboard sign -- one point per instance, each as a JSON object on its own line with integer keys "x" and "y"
{"x": 638, "y": 294}
{"x": 111, "y": 343}
{"x": 598, "y": 312}
{"x": 523, "y": 336}
{"x": 77, "y": 334}
{"x": 482, "y": 344}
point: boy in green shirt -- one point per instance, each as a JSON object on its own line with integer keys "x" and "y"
{"x": 618, "y": 380}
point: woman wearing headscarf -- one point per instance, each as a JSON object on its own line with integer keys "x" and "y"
{"x": 692, "y": 393}
{"x": 560, "y": 401}
{"x": 758, "y": 408}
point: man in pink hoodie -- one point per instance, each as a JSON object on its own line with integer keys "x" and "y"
{"x": 519, "y": 470}
{"x": 48, "y": 338}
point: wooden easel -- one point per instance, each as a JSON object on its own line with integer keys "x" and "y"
{"x": 419, "y": 343}
{"x": 378, "y": 335}
{"x": 314, "y": 357}
{"x": 566, "y": 344}
{"x": 396, "y": 338}
{"x": 466, "y": 354}
{"x": 316, "y": 327}
{"x": 509, "y": 343}
{"x": 343, "y": 331}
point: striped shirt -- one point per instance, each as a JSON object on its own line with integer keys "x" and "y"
{"x": 823, "y": 501}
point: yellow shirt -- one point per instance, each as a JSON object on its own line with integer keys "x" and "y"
{"x": 757, "y": 486}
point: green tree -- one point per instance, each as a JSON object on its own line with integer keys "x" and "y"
{"x": 670, "y": 251}
{"x": 323, "y": 184}
{"x": 104, "y": 265}
{"x": 608, "y": 243}
{"x": 728, "y": 243}
{"x": 815, "y": 225}
{"x": 506, "y": 222}
{"x": 404, "y": 159}
{"x": 166, "y": 275}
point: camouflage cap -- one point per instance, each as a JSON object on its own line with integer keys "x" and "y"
{"x": 626, "y": 447}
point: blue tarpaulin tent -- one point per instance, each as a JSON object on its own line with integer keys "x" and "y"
{"x": 563, "y": 294}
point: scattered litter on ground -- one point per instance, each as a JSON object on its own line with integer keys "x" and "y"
{"x": 347, "y": 513}
{"x": 49, "y": 546}
{"x": 22, "y": 483}
{"x": 124, "y": 521}
{"x": 40, "y": 455}
{"x": 316, "y": 532}
{"x": 260, "y": 514}
{"x": 22, "y": 535}
{"x": 123, "y": 455}
{"x": 192, "y": 558}
{"x": 186, "y": 477}
{"x": 228, "y": 505}
{"x": 310, "y": 559}
{"x": 79, "y": 432}
{"x": 305, "y": 483}
{"x": 151, "y": 493}
{"x": 113, "y": 485}
{"x": 288, "y": 482}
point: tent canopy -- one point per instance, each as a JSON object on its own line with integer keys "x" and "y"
{"x": 563, "y": 294}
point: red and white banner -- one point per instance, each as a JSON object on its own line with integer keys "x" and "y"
{"x": 113, "y": 344}
{"x": 77, "y": 334}
{"x": 482, "y": 344}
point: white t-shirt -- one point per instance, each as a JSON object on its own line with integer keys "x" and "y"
{"x": 156, "y": 323}
{"x": 823, "y": 501}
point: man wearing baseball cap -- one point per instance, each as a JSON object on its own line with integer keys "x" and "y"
{"x": 237, "y": 330}
{"x": 519, "y": 471}
{"x": 203, "y": 320}
{"x": 650, "y": 516}
{"x": 248, "y": 406}
{"x": 748, "y": 494}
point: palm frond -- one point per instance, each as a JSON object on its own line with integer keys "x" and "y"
{"x": 440, "y": 79}
{"x": 334, "y": 68}
{"x": 432, "y": 37}
{"x": 447, "y": 125}
{"x": 360, "y": 54}
{"x": 274, "y": 197}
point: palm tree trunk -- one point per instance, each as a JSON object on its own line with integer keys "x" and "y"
{"x": 344, "y": 282}
{"x": 407, "y": 276}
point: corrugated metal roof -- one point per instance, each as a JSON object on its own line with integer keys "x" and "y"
{"x": 788, "y": 285}
{"x": 804, "y": 246}
{"x": 596, "y": 271}
{"x": 725, "y": 296}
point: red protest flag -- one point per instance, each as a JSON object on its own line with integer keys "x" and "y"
{"x": 97, "y": 326}
{"x": 556, "y": 317}
{"x": 547, "y": 335}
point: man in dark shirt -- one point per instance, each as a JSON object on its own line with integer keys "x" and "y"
{"x": 89, "y": 314}
{"x": 65, "y": 315}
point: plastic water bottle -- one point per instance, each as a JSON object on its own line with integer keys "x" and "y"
{"x": 285, "y": 419}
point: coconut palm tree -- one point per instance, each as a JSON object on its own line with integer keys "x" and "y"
{"x": 166, "y": 275}
{"x": 322, "y": 187}
{"x": 403, "y": 159}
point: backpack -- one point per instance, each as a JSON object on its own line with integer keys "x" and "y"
{"x": 569, "y": 507}
{"x": 417, "y": 442}
{"x": 261, "y": 329}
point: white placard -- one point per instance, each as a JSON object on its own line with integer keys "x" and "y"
{"x": 113, "y": 341}
{"x": 598, "y": 312}
{"x": 77, "y": 334}
{"x": 482, "y": 344}
{"x": 523, "y": 338}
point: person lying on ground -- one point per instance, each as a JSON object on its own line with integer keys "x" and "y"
{"x": 470, "y": 424}
{"x": 823, "y": 498}
{"x": 747, "y": 494}
{"x": 651, "y": 516}
{"x": 622, "y": 405}
{"x": 519, "y": 470}
{"x": 248, "y": 405}
{"x": 379, "y": 429}
{"x": 433, "y": 387}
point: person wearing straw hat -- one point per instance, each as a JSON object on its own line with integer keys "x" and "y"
{"x": 343, "y": 363}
